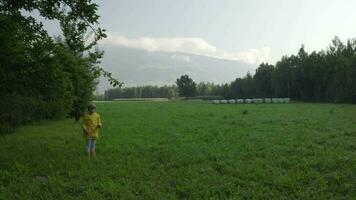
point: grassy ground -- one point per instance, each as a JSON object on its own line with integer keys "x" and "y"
{"x": 188, "y": 150}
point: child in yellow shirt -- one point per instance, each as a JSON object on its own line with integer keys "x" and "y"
{"x": 91, "y": 126}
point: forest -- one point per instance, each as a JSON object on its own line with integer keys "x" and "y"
{"x": 323, "y": 76}
{"x": 44, "y": 77}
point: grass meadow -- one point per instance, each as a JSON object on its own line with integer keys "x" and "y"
{"x": 188, "y": 150}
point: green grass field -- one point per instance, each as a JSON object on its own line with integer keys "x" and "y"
{"x": 188, "y": 150}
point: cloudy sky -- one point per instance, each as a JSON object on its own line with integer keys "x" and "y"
{"x": 246, "y": 30}
{"x": 240, "y": 33}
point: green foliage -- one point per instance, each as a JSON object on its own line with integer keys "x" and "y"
{"x": 33, "y": 85}
{"x": 264, "y": 77}
{"x": 45, "y": 78}
{"x": 324, "y": 76}
{"x": 187, "y": 150}
{"x": 186, "y": 86}
{"x": 243, "y": 88}
{"x": 206, "y": 91}
{"x": 141, "y": 92}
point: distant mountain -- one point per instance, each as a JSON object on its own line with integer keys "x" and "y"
{"x": 139, "y": 67}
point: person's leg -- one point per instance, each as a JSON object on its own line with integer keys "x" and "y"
{"x": 92, "y": 148}
{"x": 88, "y": 146}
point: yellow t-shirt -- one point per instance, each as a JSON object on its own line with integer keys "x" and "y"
{"x": 91, "y": 123}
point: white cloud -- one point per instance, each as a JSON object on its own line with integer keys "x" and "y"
{"x": 196, "y": 46}
{"x": 181, "y": 57}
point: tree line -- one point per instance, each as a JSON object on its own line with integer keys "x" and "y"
{"x": 44, "y": 77}
{"x": 324, "y": 76}
{"x": 185, "y": 87}
{"x": 142, "y": 92}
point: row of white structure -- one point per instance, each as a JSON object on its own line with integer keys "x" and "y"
{"x": 265, "y": 100}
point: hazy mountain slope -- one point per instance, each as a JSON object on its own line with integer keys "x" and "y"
{"x": 138, "y": 67}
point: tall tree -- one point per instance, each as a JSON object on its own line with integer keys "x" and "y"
{"x": 186, "y": 86}
{"x": 263, "y": 77}
{"x": 41, "y": 77}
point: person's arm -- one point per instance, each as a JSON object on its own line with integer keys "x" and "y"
{"x": 85, "y": 130}
{"x": 99, "y": 122}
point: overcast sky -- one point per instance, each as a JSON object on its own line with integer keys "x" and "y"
{"x": 246, "y": 30}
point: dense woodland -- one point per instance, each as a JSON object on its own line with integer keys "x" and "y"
{"x": 43, "y": 77}
{"x": 325, "y": 76}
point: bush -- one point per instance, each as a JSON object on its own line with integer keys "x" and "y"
{"x": 19, "y": 110}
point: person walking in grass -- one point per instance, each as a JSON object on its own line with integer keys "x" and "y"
{"x": 91, "y": 126}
